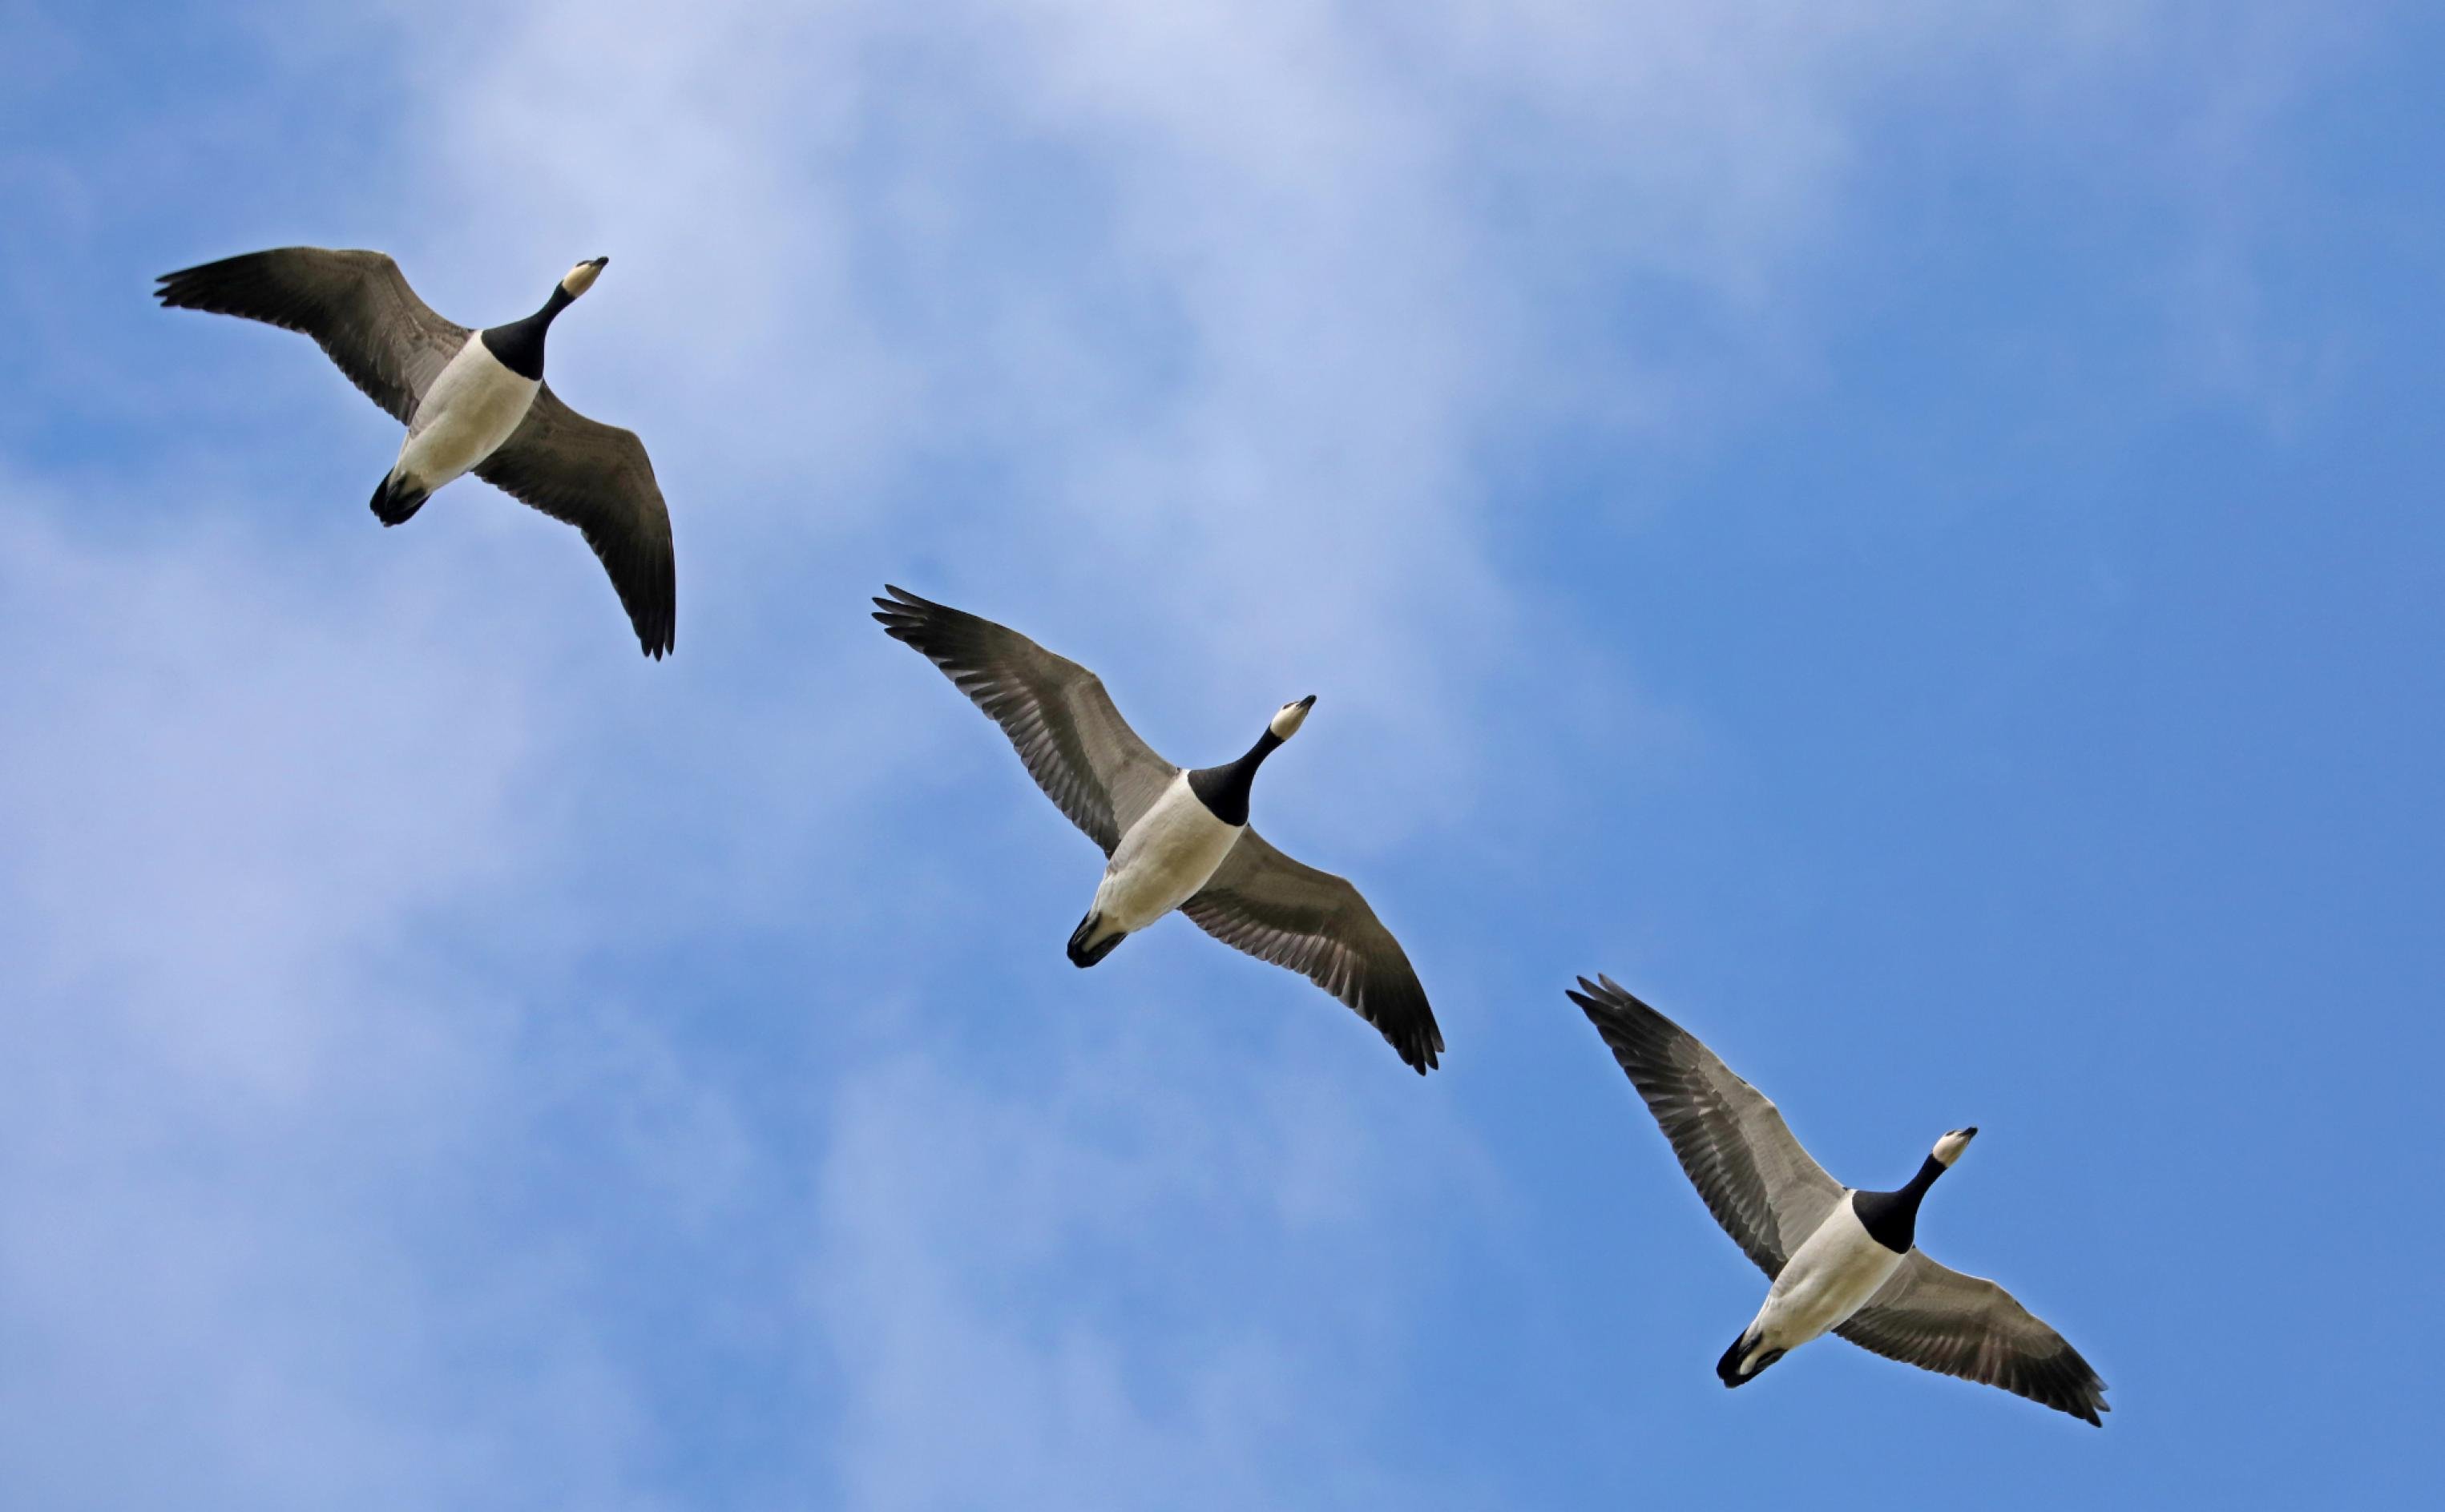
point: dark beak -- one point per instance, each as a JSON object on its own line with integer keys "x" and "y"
{"x": 1308, "y": 702}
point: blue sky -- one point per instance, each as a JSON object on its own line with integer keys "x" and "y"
{"x": 1906, "y": 537}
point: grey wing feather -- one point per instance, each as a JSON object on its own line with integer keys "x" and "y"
{"x": 598, "y": 478}
{"x": 356, "y": 305}
{"x": 1939, "y": 1319}
{"x": 1765, "y": 1190}
{"x": 1281, "y": 910}
{"x": 1076, "y": 745}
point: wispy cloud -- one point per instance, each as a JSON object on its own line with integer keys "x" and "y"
{"x": 1101, "y": 291}
{"x": 241, "y": 1099}
{"x": 439, "y": 1032}
{"x": 1256, "y": 1264}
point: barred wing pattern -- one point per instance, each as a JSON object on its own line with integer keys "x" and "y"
{"x": 1939, "y": 1319}
{"x": 597, "y": 477}
{"x": 1076, "y": 745}
{"x": 1767, "y": 1191}
{"x": 356, "y": 305}
{"x": 1283, "y": 911}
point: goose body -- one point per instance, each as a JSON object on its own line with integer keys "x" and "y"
{"x": 1842, "y": 1260}
{"x": 475, "y": 404}
{"x": 1169, "y": 856}
{"x": 1173, "y": 838}
{"x": 1830, "y": 1276}
{"x": 1159, "y": 864}
{"x": 472, "y": 402}
{"x": 1846, "y": 1261}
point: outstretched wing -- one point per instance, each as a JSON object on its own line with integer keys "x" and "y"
{"x": 598, "y": 478}
{"x": 1767, "y": 1191}
{"x": 1939, "y": 1319}
{"x": 1281, "y": 911}
{"x": 356, "y": 305}
{"x": 1076, "y": 745}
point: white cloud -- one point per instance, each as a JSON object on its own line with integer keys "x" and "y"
{"x": 236, "y": 1074}
{"x": 1230, "y": 301}
{"x": 402, "y": 967}
{"x": 238, "y": 783}
{"x": 1253, "y": 1272}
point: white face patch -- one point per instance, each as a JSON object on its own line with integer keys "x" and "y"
{"x": 1286, "y": 723}
{"x": 581, "y": 278}
{"x": 1949, "y": 1149}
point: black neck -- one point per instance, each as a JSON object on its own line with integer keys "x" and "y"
{"x": 518, "y": 345}
{"x": 1224, "y": 790}
{"x": 1891, "y": 1217}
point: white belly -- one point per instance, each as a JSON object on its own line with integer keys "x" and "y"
{"x": 471, "y": 409}
{"x": 1830, "y": 1276}
{"x": 1164, "y": 859}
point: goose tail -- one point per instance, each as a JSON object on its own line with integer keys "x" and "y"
{"x": 1085, "y": 949}
{"x": 1735, "y": 1368}
{"x": 397, "y": 497}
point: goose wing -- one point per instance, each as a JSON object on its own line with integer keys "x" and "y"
{"x": 356, "y": 305}
{"x": 1278, "y": 910}
{"x": 1076, "y": 745}
{"x": 1760, "y": 1184}
{"x": 1939, "y": 1319}
{"x": 597, "y": 477}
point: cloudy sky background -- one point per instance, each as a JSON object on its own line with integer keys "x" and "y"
{"x": 1906, "y": 533}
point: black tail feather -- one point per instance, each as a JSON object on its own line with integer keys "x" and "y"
{"x": 1728, "y": 1369}
{"x": 1082, "y": 955}
{"x": 395, "y": 499}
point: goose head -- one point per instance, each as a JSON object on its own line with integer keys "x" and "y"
{"x": 1290, "y": 716}
{"x": 581, "y": 278}
{"x": 1949, "y": 1149}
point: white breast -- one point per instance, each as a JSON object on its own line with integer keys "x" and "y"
{"x": 1830, "y": 1276}
{"x": 474, "y": 405}
{"x": 1164, "y": 859}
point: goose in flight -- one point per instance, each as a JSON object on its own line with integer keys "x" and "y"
{"x": 1841, "y": 1261}
{"x": 1174, "y": 838}
{"x": 472, "y": 402}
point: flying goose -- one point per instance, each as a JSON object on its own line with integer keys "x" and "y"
{"x": 472, "y": 402}
{"x": 1175, "y": 838}
{"x": 1842, "y": 1260}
